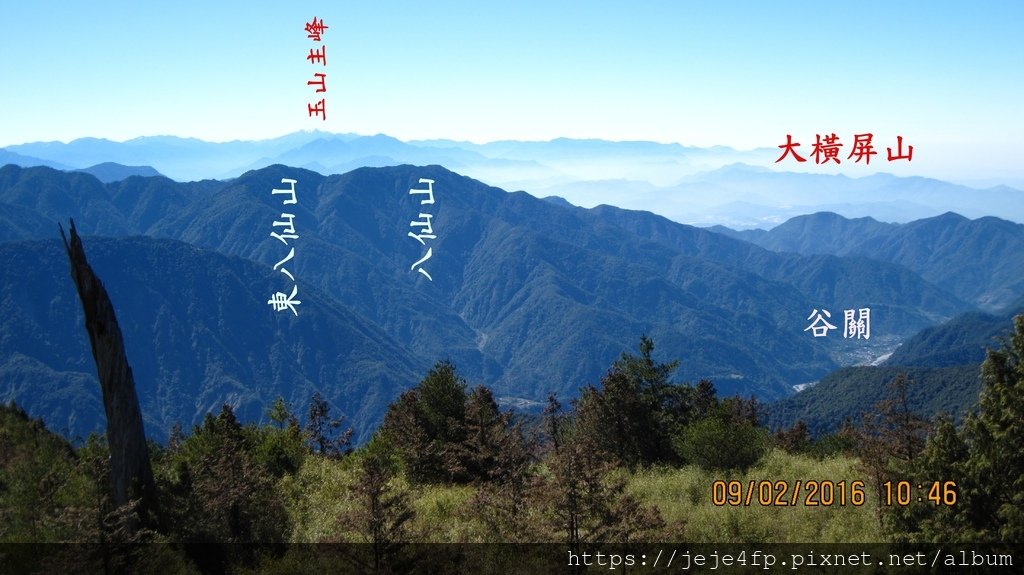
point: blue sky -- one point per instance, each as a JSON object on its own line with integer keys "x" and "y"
{"x": 948, "y": 76}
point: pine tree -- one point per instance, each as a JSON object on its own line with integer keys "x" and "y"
{"x": 382, "y": 509}
{"x": 323, "y": 431}
{"x": 281, "y": 448}
{"x": 217, "y": 491}
{"x": 585, "y": 503}
{"x": 995, "y": 437}
{"x": 442, "y": 401}
{"x": 652, "y": 378}
{"x": 176, "y": 436}
{"x": 943, "y": 460}
{"x": 427, "y": 425}
{"x": 553, "y": 419}
{"x": 891, "y": 435}
{"x": 484, "y": 435}
{"x": 796, "y": 439}
{"x": 500, "y": 460}
{"x": 280, "y": 415}
{"x": 705, "y": 398}
{"x": 634, "y": 414}
{"x": 619, "y": 420}
{"x": 405, "y": 430}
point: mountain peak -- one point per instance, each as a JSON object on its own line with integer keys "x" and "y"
{"x": 113, "y": 172}
{"x": 558, "y": 201}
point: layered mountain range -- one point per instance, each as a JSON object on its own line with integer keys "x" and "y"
{"x": 978, "y": 260}
{"x": 529, "y": 296}
{"x": 943, "y": 364}
{"x": 697, "y": 185}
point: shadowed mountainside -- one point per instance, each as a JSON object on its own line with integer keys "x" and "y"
{"x": 528, "y": 296}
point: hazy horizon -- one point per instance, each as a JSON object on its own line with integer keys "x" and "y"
{"x": 742, "y": 75}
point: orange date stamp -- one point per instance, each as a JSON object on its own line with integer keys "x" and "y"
{"x": 781, "y": 493}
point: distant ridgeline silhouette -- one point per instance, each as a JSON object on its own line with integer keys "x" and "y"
{"x": 714, "y": 184}
{"x": 528, "y": 296}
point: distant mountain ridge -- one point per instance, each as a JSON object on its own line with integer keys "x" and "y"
{"x": 194, "y": 336}
{"x": 979, "y": 260}
{"x": 853, "y": 391}
{"x": 700, "y": 186}
{"x": 944, "y": 361}
{"x": 959, "y": 341}
{"x": 111, "y": 172}
{"x": 528, "y": 296}
{"x": 9, "y": 157}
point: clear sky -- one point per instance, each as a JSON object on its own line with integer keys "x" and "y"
{"x": 948, "y": 76}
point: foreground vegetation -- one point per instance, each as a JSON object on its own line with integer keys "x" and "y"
{"x": 632, "y": 460}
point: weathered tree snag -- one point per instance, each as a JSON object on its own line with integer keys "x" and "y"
{"x": 131, "y": 476}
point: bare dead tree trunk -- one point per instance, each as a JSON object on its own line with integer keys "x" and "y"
{"x": 131, "y": 476}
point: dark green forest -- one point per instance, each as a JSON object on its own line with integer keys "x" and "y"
{"x": 529, "y": 296}
{"x": 634, "y": 459}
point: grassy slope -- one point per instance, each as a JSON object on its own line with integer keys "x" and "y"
{"x": 682, "y": 496}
